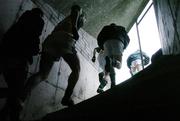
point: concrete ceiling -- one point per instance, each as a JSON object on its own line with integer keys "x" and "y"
{"x": 103, "y": 12}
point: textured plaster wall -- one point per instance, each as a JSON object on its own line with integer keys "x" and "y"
{"x": 168, "y": 19}
{"x": 8, "y": 11}
{"x": 46, "y": 97}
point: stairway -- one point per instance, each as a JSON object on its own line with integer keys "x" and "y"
{"x": 152, "y": 94}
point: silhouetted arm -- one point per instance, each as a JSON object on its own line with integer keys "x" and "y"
{"x": 75, "y": 13}
{"x": 97, "y": 49}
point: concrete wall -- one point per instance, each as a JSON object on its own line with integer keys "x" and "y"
{"x": 168, "y": 19}
{"x": 46, "y": 97}
{"x": 8, "y": 12}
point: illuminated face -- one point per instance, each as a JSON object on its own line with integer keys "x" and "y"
{"x": 136, "y": 66}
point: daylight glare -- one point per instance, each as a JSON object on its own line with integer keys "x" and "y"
{"x": 149, "y": 40}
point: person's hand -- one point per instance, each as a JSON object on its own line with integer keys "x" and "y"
{"x": 93, "y": 59}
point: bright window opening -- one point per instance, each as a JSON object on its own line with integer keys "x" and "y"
{"x": 149, "y": 40}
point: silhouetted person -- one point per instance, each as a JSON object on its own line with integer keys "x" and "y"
{"x": 101, "y": 61}
{"x": 112, "y": 39}
{"x": 134, "y": 62}
{"x": 19, "y": 44}
{"x": 61, "y": 43}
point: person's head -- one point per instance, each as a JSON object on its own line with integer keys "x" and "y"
{"x": 82, "y": 18}
{"x": 112, "y": 24}
{"x": 76, "y": 8}
{"x": 134, "y": 62}
{"x": 37, "y": 11}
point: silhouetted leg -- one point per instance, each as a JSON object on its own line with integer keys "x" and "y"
{"x": 73, "y": 61}
{"x": 46, "y": 64}
{"x": 117, "y": 61}
{"x": 101, "y": 75}
{"x": 102, "y": 81}
{"x": 15, "y": 79}
{"x": 108, "y": 64}
{"x": 112, "y": 77}
{"x": 109, "y": 68}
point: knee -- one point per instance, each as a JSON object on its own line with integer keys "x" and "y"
{"x": 101, "y": 75}
{"x": 103, "y": 82}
